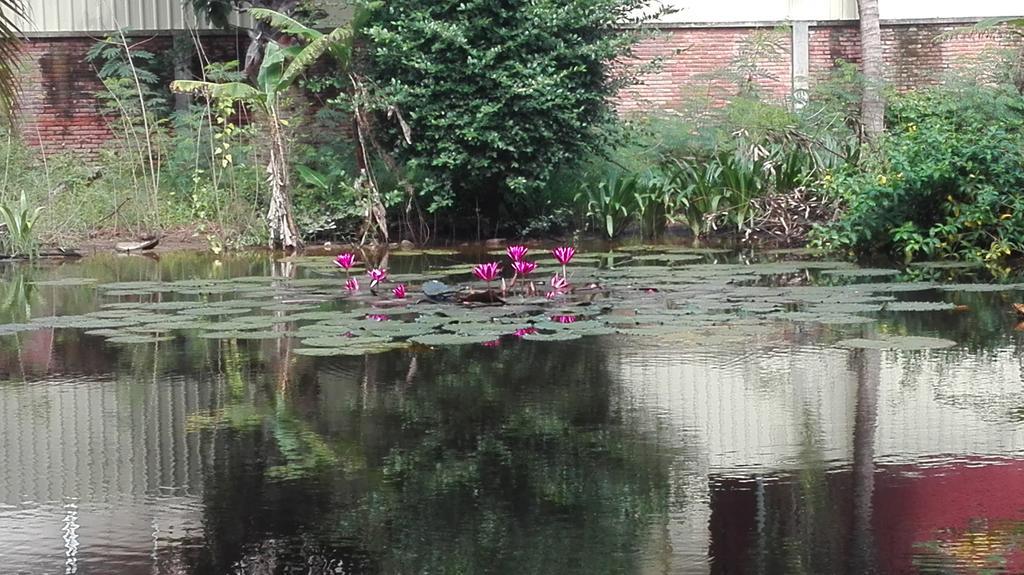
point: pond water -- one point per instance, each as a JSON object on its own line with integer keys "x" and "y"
{"x": 694, "y": 411}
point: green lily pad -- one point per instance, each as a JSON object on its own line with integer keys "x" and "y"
{"x": 444, "y": 339}
{"x": 137, "y": 339}
{"x": 66, "y": 282}
{"x": 982, "y": 288}
{"x": 919, "y": 306}
{"x": 214, "y": 311}
{"x": 239, "y": 334}
{"x": 553, "y": 336}
{"x": 861, "y": 272}
{"x": 350, "y": 351}
{"x": 947, "y": 265}
{"x": 897, "y": 342}
{"x": 13, "y": 328}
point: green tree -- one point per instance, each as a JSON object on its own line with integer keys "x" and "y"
{"x": 11, "y": 11}
{"x": 218, "y": 12}
{"x": 498, "y": 94}
{"x": 281, "y": 67}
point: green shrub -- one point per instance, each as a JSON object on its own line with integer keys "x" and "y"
{"x": 498, "y": 95}
{"x": 945, "y": 182}
{"x": 17, "y": 227}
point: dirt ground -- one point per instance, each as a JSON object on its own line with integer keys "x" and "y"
{"x": 102, "y": 241}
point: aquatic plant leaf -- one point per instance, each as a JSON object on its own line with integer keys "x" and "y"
{"x": 241, "y": 334}
{"x": 214, "y": 311}
{"x": 553, "y": 336}
{"x": 65, "y": 282}
{"x": 844, "y": 308}
{"x": 897, "y": 342}
{"x": 13, "y": 328}
{"x": 349, "y": 351}
{"x": 344, "y": 341}
{"x": 861, "y": 272}
{"x": 982, "y": 288}
{"x": 947, "y": 265}
{"x": 137, "y": 339}
{"x": 902, "y": 306}
{"x": 443, "y": 339}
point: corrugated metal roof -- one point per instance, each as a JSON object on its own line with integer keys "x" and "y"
{"x": 95, "y": 16}
{"x": 98, "y": 16}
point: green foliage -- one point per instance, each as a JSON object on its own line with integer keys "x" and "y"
{"x": 17, "y": 234}
{"x": 611, "y": 202}
{"x": 945, "y": 183}
{"x": 498, "y": 95}
{"x": 119, "y": 69}
{"x": 10, "y": 44}
{"x": 706, "y": 168}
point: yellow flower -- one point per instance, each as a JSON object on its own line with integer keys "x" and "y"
{"x": 912, "y": 128}
{"x": 882, "y": 180}
{"x": 1005, "y": 216}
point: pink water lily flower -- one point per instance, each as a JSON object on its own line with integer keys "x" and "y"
{"x": 377, "y": 317}
{"x": 525, "y": 331}
{"x": 558, "y": 282}
{"x": 523, "y": 267}
{"x": 564, "y": 318}
{"x": 352, "y": 284}
{"x": 399, "y": 291}
{"x": 564, "y": 254}
{"x": 377, "y": 275}
{"x": 492, "y": 343}
{"x": 345, "y": 261}
{"x": 487, "y": 272}
{"x": 516, "y": 253}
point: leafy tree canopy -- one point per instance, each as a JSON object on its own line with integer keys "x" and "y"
{"x": 499, "y": 93}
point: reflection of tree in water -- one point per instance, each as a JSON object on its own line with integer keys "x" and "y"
{"x": 476, "y": 461}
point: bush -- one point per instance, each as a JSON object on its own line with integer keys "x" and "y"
{"x": 708, "y": 169}
{"x": 945, "y": 182}
{"x": 498, "y": 95}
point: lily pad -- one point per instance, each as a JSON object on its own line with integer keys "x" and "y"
{"x": 861, "y": 272}
{"x": 553, "y": 336}
{"x": 252, "y": 335}
{"x": 444, "y": 339}
{"x": 897, "y": 342}
{"x": 12, "y": 328}
{"x": 919, "y": 306}
{"x": 66, "y": 282}
{"x": 137, "y": 339}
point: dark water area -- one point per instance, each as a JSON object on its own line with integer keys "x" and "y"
{"x": 778, "y": 452}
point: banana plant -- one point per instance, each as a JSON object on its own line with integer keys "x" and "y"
{"x": 17, "y": 225}
{"x": 282, "y": 66}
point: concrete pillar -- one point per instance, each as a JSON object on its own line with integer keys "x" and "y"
{"x": 801, "y": 65}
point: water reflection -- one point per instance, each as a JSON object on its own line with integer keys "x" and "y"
{"x": 604, "y": 455}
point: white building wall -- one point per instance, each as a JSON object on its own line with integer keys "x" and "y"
{"x": 751, "y": 11}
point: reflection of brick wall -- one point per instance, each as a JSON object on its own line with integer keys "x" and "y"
{"x": 59, "y": 109}
{"x": 915, "y": 54}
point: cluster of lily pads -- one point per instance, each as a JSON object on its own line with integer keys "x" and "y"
{"x": 680, "y": 295}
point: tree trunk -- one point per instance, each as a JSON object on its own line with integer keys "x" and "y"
{"x": 872, "y": 107}
{"x": 284, "y": 234}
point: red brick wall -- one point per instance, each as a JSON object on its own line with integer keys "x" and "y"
{"x": 915, "y": 55}
{"x": 693, "y": 63}
{"x": 59, "y": 110}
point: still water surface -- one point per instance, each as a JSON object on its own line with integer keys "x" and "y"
{"x": 607, "y": 454}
